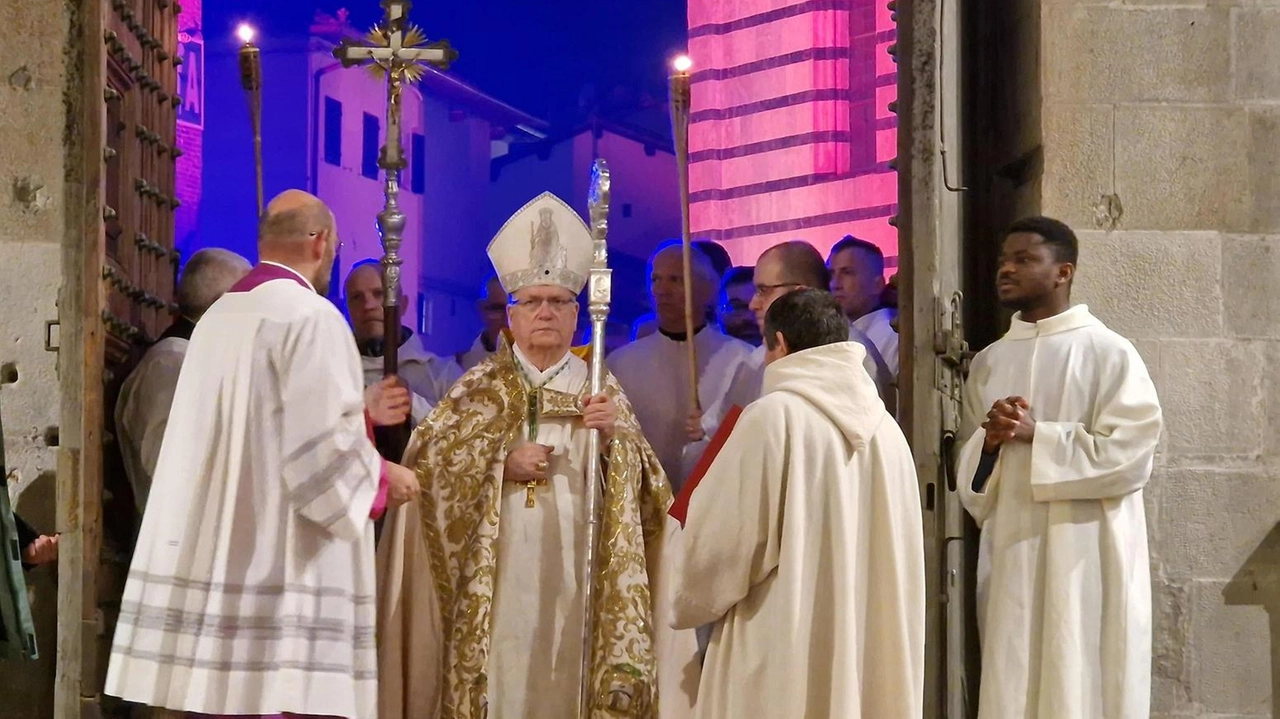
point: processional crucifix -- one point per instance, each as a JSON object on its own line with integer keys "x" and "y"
{"x": 400, "y": 51}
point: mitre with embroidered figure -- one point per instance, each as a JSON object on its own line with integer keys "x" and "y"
{"x": 544, "y": 243}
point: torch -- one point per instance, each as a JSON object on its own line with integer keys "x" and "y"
{"x": 251, "y": 80}
{"x": 679, "y": 98}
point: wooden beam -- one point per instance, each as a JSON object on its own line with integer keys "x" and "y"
{"x": 80, "y": 364}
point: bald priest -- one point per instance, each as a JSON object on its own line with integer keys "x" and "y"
{"x": 481, "y": 603}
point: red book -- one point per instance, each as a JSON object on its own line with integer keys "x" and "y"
{"x": 680, "y": 508}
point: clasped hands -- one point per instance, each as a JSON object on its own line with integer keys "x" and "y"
{"x": 531, "y": 462}
{"x": 1009, "y": 420}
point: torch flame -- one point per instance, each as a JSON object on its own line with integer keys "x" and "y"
{"x": 245, "y": 32}
{"x": 682, "y": 64}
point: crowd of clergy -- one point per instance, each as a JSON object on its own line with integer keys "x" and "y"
{"x": 762, "y": 540}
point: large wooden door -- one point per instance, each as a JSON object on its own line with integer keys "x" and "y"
{"x": 120, "y": 265}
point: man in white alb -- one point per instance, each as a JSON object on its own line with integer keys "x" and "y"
{"x": 857, "y": 281}
{"x": 654, "y": 371}
{"x": 803, "y": 539}
{"x": 251, "y": 591}
{"x": 142, "y": 411}
{"x": 427, "y": 375}
{"x": 1064, "y": 422}
{"x": 781, "y": 269}
{"x": 492, "y": 308}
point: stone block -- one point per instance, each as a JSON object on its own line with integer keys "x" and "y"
{"x": 32, "y": 80}
{"x": 1250, "y": 275}
{"x": 1183, "y": 168}
{"x": 1232, "y": 645}
{"x": 1256, "y": 52}
{"x": 31, "y": 404}
{"x": 1123, "y": 54}
{"x": 1078, "y": 154}
{"x": 1264, "y": 170}
{"x": 1151, "y": 284}
{"x": 1170, "y": 654}
{"x": 1271, "y": 385}
{"x": 1211, "y": 521}
{"x": 1212, "y": 397}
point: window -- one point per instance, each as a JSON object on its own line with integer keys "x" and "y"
{"x": 369, "y": 154}
{"x": 332, "y": 131}
{"x": 417, "y": 161}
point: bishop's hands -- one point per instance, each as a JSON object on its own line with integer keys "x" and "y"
{"x": 527, "y": 462}
{"x": 600, "y": 412}
{"x": 1008, "y": 421}
{"x": 402, "y": 484}
{"x": 388, "y": 402}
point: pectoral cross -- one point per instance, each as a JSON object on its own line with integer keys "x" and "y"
{"x": 399, "y": 50}
{"x": 533, "y": 408}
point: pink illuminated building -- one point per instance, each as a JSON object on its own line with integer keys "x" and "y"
{"x": 790, "y": 133}
{"x": 190, "y": 123}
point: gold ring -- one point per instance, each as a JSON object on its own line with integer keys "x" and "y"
{"x": 542, "y": 466}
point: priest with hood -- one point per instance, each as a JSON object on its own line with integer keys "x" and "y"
{"x": 1062, "y": 423}
{"x": 481, "y": 603}
{"x": 654, "y": 370}
{"x": 803, "y": 541}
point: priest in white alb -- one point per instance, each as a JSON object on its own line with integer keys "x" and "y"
{"x": 1063, "y": 423}
{"x": 654, "y": 370}
{"x": 251, "y": 591}
{"x": 803, "y": 539}
{"x": 142, "y": 410}
{"x": 789, "y": 266}
{"x": 480, "y": 602}
{"x": 427, "y": 375}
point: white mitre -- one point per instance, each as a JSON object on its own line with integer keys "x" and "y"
{"x": 544, "y": 243}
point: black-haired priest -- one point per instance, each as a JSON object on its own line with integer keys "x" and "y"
{"x": 481, "y": 603}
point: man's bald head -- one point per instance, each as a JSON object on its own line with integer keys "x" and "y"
{"x": 299, "y": 231}
{"x": 798, "y": 263}
{"x": 207, "y": 276}
{"x": 294, "y": 216}
{"x": 784, "y": 268}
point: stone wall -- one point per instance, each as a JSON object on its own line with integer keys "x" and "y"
{"x": 1161, "y": 144}
{"x": 33, "y": 79}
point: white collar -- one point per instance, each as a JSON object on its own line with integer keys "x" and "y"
{"x": 532, "y": 373}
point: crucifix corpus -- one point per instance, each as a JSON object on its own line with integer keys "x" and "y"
{"x": 399, "y": 51}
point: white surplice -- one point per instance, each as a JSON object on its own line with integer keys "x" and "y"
{"x": 803, "y": 541}
{"x": 251, "y": 590}
{"x": 142, "y": 412}
{"x": 428, "y": 375}
{"x": 475, "y": 354}
{"x": 878, "y": 328}
{"x": 1064, "y": 592}
{"x": 654, "y": 374}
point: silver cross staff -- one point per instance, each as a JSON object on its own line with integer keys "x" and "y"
{"x": 400, "y": 51}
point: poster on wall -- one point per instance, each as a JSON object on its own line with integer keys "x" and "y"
{"x": 191, "y": 77}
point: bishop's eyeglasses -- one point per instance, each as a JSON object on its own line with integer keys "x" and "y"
{"x": 533, "y": 304}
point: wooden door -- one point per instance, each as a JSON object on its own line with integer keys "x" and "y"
{"x": 120, "y": 269}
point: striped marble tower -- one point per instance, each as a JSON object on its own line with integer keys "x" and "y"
{"x": 790, "y": 133}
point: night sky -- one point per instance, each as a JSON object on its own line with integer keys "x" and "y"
{"x": 535, "y": 55}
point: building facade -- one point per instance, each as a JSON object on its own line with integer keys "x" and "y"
{"x": 791, "y": 135}
{"x": 323, "y": 128}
